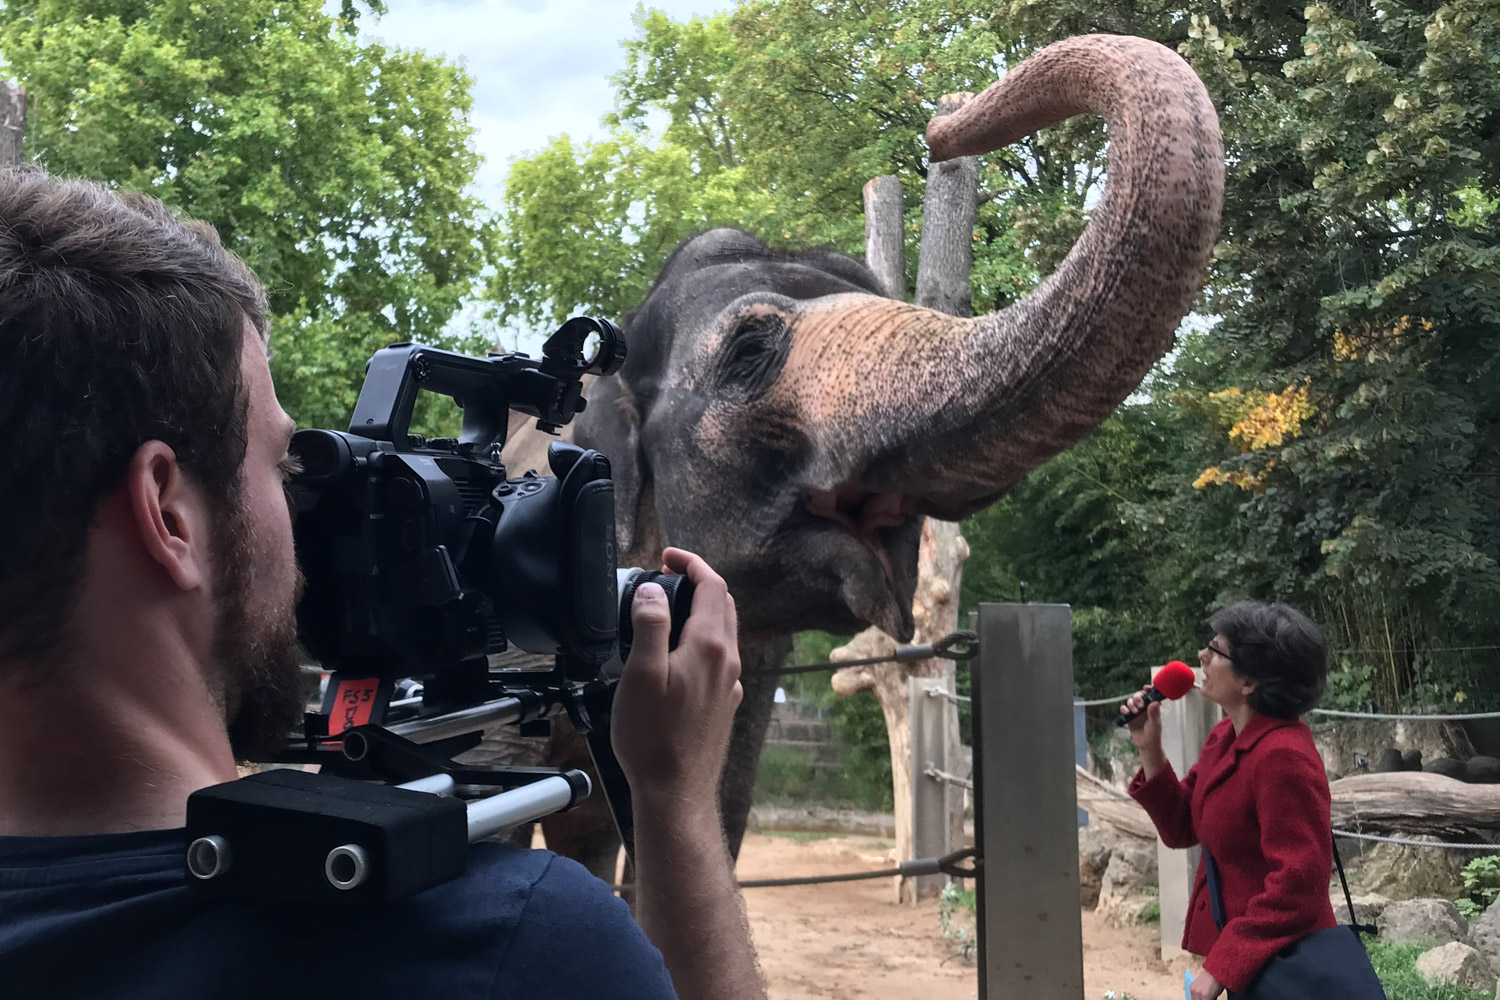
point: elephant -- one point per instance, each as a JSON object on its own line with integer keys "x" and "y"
{"x": 782, "y": 417}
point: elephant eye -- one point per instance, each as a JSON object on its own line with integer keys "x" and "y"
{"x": 754, "y": 353}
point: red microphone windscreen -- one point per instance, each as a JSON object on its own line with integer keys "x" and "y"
{"x": 1174, "y": 679}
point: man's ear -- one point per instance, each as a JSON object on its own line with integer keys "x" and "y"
{"x": 612, "y": 426}
{"x": 169, "y": 514}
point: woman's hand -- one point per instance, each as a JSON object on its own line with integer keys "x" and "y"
{"x": 1145, "y": 731}
{"x": 1145, "y": 728}
{"x": 1205, "y": 987}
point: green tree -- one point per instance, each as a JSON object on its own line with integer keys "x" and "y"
{"x": 1344, "y": 404}
{"x": 772, "y": 117}
{"x": 337, "y": 169}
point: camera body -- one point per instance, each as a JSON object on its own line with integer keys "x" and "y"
{"x": 422, "y": 557}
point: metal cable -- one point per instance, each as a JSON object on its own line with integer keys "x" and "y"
{"x": 959, "y": 645}
{"x": 1096, "y": 702}
{"x": 1405, "y": 842}
{"x": 948, "y": 864}
{"x": 1398, "y": 715}
{"x": 770, "y": 883}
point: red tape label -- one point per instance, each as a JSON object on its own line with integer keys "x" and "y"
{"x": 355, "y": 702}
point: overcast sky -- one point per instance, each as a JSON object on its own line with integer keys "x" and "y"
{"x": 540, "y": 67}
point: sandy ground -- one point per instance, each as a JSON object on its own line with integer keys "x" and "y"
{"x": 849, "y": 941}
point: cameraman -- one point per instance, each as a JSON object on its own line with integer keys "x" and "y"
{"x": 148, "y": 642}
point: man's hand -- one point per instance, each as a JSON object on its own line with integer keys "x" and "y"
{"x": 671, "y": 721}
{"x": 673, "y": 711}
{"x": 1205, "y": 987}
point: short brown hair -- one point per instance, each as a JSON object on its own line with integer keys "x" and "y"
{"x": 1281, "y": 650}
{"x": 119, "y": 324}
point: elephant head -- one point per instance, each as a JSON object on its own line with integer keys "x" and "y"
{"x": 780, "y": 416}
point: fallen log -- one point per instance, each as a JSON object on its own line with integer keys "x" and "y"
{"x": 1108, "y": 806}
{"x": 1408, "y": 802}
{"x": 1403, "y": 802}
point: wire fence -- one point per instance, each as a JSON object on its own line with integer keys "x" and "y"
{"x": 1409, "y": 842}
{"x": 1335, "y": 713}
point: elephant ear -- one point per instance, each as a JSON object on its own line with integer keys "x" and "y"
{"x": 612, "y": 426}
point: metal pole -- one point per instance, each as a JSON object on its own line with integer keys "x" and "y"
{"x": 521, "y": 805}
{"x": 1025, "y": 807}
{"x": 931, "y": 795}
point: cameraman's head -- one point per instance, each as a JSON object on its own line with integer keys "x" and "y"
{"x": 142, "y": 520}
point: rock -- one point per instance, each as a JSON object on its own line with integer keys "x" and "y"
{"x": 1483, "y": 770}
{"x": 1421, "y": 921}
{"x": 1389, "y": 761}
{"x": 1410, "y": 872}
{"x": 1457, "y": 964}
{"x": 1447, "y": 767}
{"x": 1095, "y": 847}
{"x": 1129, "y": 884}
{"x": 1485, "y": 934}
{"x": 1367, "y": 907}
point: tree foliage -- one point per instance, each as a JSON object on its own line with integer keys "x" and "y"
{"x": 1337, "y": 423}
{"x": 337, "y": 169}
{"x": 772, "y": 117}
{"x": 1324, "y": 433}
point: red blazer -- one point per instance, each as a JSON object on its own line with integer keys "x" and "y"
{"x": 1260, "y": 804}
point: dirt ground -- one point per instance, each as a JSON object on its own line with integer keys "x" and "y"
{"x": 849, "y": 941}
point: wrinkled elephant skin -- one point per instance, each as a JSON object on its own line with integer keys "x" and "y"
{"x": 781, "y": 417}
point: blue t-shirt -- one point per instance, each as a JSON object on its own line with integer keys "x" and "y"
{"x": 112, "y": 918}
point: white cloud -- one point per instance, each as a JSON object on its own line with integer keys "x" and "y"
{"x": 540, "y": 67}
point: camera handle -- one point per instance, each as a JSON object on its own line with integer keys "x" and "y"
{"x": 486, "y": 388}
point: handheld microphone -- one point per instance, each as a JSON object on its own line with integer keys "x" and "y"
{"x": 1171, "y": 681}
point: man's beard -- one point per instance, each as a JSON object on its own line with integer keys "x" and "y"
{"x": 255, "y": 645}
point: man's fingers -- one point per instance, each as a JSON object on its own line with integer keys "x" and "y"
{"x": 651, "y": 623}
{"x": 712, "y": 615}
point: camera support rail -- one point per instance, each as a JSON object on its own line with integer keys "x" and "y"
{"x": 288, "y": 835}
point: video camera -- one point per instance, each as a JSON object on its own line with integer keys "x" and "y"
{"x": 422, "y": 559}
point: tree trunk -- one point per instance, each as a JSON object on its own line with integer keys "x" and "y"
{"x": 885, "y": 239}
{"x": 943, "y": 284}
{"x": 12, "y": 123}
{"x": 940, "y": 567}
{"x": 948, "y": 212}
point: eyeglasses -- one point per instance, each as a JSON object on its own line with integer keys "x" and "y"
{"x": 1217, "y": 651}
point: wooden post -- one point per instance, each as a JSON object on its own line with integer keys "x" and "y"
{"x": 948, "y": 211}
{"x": 1184, "y": 726}
{"x": 12, "y": 123}
{"x": 885, "y": 240}
{"x": 943, "y": 551}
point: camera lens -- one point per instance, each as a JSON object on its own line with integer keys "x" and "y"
{"x": 679, "y": 591}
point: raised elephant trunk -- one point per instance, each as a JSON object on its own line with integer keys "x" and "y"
{"x": 1000, "y": 394}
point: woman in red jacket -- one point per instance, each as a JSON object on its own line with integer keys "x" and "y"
{"x": 1258, "y": 797}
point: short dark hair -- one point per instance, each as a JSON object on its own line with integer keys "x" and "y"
{"x": 1281, "y": 650}
{"x": 119, "y": 324}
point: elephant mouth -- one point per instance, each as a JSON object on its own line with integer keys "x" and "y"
{"x": 864, "y": 516}
{"x": 884, "y": 529}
